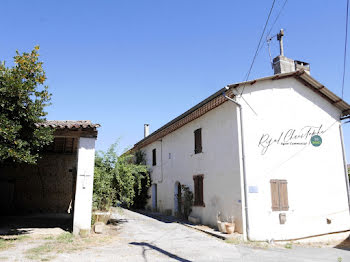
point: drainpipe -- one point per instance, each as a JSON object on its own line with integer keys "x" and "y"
{"x": 161, "y": 161}
{"x": 344, "y": 161}
{"x": 243, "y": 163}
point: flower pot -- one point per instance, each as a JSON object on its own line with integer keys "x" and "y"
{"x": 99, "y": 216}
{"x": 230, "y": 228}
{"x": 223, "y": 227}
{"x": 219, "y": 225}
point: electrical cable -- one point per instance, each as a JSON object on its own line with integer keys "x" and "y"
{"x": 274, "y": 22}
{"x": 278, "y": 15}
{"x": 346, "y": 43}
{"x": 257, "y": 49}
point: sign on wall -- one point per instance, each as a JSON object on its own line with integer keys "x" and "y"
{"x": 292, "y": 137}
{"x": 316, "y": 140}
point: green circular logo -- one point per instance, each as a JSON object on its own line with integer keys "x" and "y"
{"x": 316, "y": 140}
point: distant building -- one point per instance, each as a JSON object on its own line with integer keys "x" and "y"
{"x": 272, "y": 157}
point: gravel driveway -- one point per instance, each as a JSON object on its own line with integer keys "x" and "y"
{"x": 145, "y": 239}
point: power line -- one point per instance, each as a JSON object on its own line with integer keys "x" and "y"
{"x": 257, "y": 48}
{"x": 273, "y": 24}
{"x": 278, "y": 16}
{"x": 346, "y": 43}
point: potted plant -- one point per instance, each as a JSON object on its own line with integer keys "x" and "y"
{"x": 221, "y": 224}
{"x": 230, "y": 227}
{"x": 218, "y": 221}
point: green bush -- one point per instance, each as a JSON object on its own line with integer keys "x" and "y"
{"x": 118, "y": 179}
{"x": 142, "y": 197}
{"x": 187, "y": 200}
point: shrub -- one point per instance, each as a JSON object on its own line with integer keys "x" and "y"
{"x": 118, "y": 179}
{"x": 187, "y": 200}
{"x": 141, "y": 198}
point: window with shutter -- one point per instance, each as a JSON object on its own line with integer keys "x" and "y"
{"x": 198, "y": 190}
{"x": 154, "y": 157}
{"x": 198, "y": 141}
{"x": 279, "y": 195}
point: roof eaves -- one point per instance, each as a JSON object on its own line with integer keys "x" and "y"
{"x": 299, "y": 75}
{"x": 218, "y": 93}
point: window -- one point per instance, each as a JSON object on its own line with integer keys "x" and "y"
{"x": 154, "y": 157}
{"x": 198, "y": 141}
{"x": 279, "y": 195}
{"x": 198, "y": 190}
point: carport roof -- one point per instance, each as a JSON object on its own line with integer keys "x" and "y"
{"x": 71, "y": 128}
{"x": 69, "y": 124}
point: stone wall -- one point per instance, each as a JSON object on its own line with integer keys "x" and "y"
{"x": 46, "y": 187}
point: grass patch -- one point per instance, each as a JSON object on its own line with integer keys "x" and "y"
{"x": 253, "y": 244}
{"x": 64, "y": 243}
{"x": 49, "y": 238}
{"x": 9, "y": 241}
{"x": 233, "y": 241}
{"x": 65, "y": 238}
{"x": 22, "y": 237}
{"x": 41, "y": 253}
{"x": 288, "y": 246}
{"x": 5, "y": 244}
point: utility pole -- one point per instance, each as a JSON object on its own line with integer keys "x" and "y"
{"x": 280, "y": 39}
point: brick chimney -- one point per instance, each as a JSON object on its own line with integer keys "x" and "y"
{"x": 282, "y": 64}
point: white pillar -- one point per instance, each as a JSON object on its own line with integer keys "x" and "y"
{"x": 84, "y": 186}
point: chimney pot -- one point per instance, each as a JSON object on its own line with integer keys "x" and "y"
{"x": 146, "y": 130}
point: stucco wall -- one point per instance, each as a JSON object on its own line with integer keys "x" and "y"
{"x": 46, "y": 187}
{"x": 219, "y": 163}
{"x": 315, "y": 175}
{"x": 84, "y": 186}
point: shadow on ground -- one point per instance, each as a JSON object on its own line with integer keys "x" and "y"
{"x": 145, "y": 245}
{"x": 344, "y": 245}
{"x": 116, "y": 222}
{"x": 163, "y": 218}
{"x": 23, "y": 224}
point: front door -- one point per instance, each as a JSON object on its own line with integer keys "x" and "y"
{"x": 179, "y": 199}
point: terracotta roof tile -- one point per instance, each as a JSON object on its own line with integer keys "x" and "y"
{"x": 69, "y": 124}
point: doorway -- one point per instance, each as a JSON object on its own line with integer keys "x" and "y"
{"x": 177, "y": 199}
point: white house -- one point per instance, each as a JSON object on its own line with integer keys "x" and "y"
{"x": 268, "y": 152}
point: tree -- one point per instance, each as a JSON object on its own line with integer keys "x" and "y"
{"x": 117, "y": 179}
{"x": 140, "y": 200}
{"x": 23, "y": 98}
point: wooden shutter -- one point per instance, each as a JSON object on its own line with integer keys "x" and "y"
{"x": 274, "y": 195}
{"x": 283, "y": 195}
{"x": 195, "y": 181}
{"x": 200, "y": 186}
{"x": 279, "y": 195}
{"x": 154, "y": 157}
{"x": 198, "y": 190}
{"x": 198, "y": 141}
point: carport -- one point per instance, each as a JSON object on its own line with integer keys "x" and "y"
{"x": 56, "y": 192}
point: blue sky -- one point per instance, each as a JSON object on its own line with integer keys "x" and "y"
{"x": 125, "y": 63}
